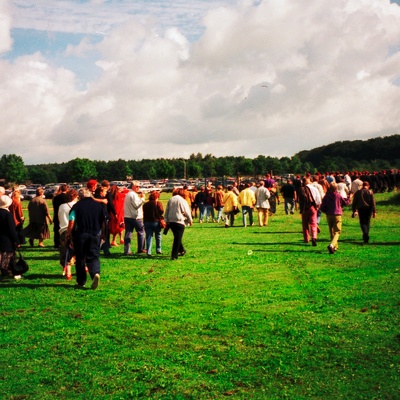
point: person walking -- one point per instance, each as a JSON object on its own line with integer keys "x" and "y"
{"x": 309, "y": 202}
{"x": 8, "y": 237}
{"x": 332, "y": 205}
{"x": 364, "y": 205}
{"x": 38, "y": 217}
{"x": 262, "y": 203}
{"x": 177, "y": 216}
{"x": 230, "y": 206}
{"x": 288, "y": 192}
{"x": 133, "y": 218}
{"x": 247, "y": 200}
{"x": 86, "y": 227}
{"x": 153, "y": 212}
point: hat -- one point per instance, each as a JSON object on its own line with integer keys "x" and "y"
{"x": 92, "y": 184}
{"x": 5, "y": 201}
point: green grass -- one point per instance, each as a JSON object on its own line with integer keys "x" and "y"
{"x": 247, "y": 313}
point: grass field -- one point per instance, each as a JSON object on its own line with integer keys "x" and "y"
{"x": 246, "y": 313}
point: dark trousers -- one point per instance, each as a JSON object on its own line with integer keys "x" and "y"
{"x": 87, "y": 252}
{"x": 364, "y": 215}
{"x": 177, "y": 246}
{"x": 56, "y": 229}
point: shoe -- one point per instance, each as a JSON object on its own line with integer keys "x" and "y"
{"x": 69, "y": 277}
{"x": 226, "y": 226}
{"x": 182, "y": 253}
{"x": 314, "y": 242}
{"x": 121, "y": 241}
{"x": 41, "y": 245}
{"x": 64, "y": 271}
{"x": 331, "y": 249}
{"x": 149, "y": 255}
{"x": 113, "y": 244}
{"x": 95, "y": 282}
{"x": 128, "y": 254}
{"x": 291, "y": 212}
{"x": 31, "y": 242}
{"x": 174, "y": 258}
{"x": 17, "y": 277}
{"x": 141, "y": 252}
{"x": 159, "y": 252}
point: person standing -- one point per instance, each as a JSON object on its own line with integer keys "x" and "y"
{"x": 133, "y": 218}
{"x": 332, "y": 205}
{"x": 38, "y": 217}
{"x": 86, "y": 229}
{"x": 247, "y": 200}
{"x": 262, "y": 204}
{"x": 8, "y": 237}
{"x": 16, "y": 211}
{"x": 59, "y": 198}
{"x": 364, "y": 205}
{"x": 153, "y": 212}
{"x": 288, "y": 192}
{"x": 67, "y": 258}
{"x": 200, "y": 202}
{"x": 309, "y": 202}
{"x": 177, "y": 216}
{"x": 230, "y": 206}
{"x": 219, "y": 202}
{"x": 117, "y": 224}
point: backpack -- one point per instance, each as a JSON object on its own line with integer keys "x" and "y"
{"x": 306, "y": 199}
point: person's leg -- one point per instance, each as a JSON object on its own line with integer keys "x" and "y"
{"x": 177, "y": 230}
{"x": 313, "y": 223}
{"x": 251, "y": 216}
{"x": 139, "y": 227}
{"x": 305, "y": 226}
{"x": 129, "y": 226}
{"x": 79, "y": 244}
{"x": 244, "y": 215}
{"x": 92, "y": 256}
{"x": 365, "y": 219}
{"x": 336, "y": 229}
{"x": 157, "y": 233}
{"x": 148, "y": 228}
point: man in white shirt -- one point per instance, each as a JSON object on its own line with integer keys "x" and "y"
{"x": 133, "y": 218}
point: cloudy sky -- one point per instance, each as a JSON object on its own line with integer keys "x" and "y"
{"x": 134, "y": 79}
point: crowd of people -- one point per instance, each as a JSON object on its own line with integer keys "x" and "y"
{"x": 89, "y": 221}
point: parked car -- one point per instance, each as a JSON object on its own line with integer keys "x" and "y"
{"x": 28, "y": 194}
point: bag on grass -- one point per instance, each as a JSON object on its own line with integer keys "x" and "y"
{"x": 20, "y": 266}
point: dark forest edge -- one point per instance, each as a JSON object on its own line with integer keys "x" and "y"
{"x": 376, "y": 154}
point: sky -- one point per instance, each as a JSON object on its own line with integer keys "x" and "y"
{"x": 135, "y": 79}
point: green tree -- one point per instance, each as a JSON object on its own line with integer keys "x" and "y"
{"x": 81, "y": 169}
{"x": 12, "y": 168}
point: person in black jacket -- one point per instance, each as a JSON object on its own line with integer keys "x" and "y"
{"x": 8, "y": 237}
{"x": 86, "y": 229}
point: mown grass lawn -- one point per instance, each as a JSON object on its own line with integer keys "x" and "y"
{"x": 246, "y": 313}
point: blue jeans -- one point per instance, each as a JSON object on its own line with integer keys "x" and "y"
{"x": 247, "y": 210}
{"x": 289, "y": 205}
{"x": 202, "y": 210}
{"x": 130, "y": 225}
{"x": 210, "y": 213}
{"x": 150, "y": 229}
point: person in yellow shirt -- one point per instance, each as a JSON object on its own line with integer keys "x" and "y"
{"x": 247, "y": 199}
{"x": 230, "y": 206}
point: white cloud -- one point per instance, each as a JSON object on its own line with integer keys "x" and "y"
{"x": 270, "y": 77}
{"x": 5, "y": 25}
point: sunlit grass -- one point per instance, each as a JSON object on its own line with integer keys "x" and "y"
{"x": 247, "y": 313}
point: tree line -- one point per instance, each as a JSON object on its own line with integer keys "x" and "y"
{"x": 372, "y": 155}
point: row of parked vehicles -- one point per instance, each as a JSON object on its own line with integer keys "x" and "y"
{"x": 28, "y": 193}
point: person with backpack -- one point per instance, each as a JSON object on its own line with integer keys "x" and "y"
{"x": 309, "y": 202}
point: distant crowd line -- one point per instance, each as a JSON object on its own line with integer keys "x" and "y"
{"x": 91, "y": 219}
